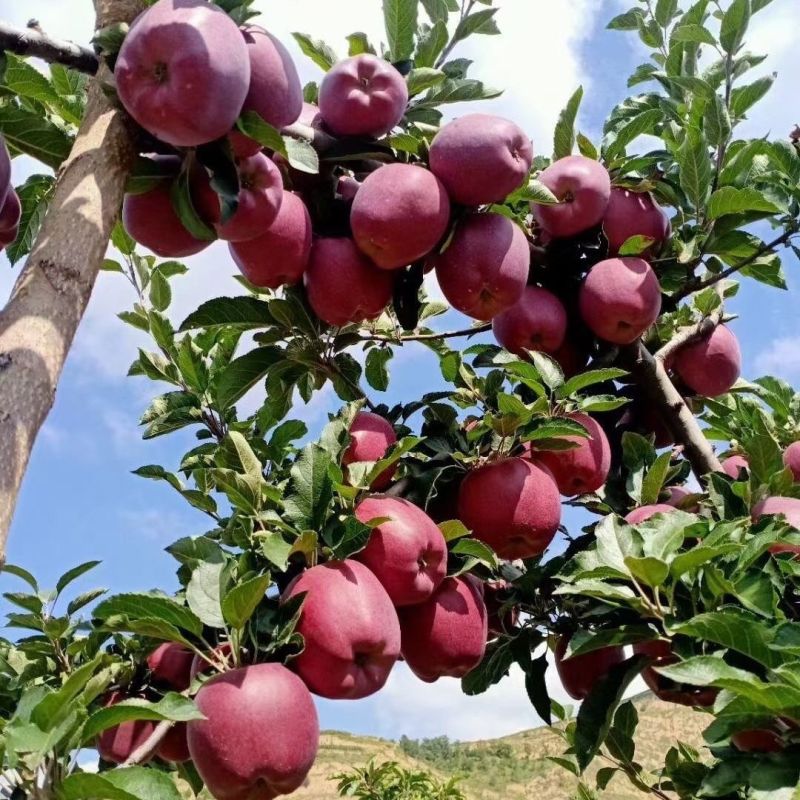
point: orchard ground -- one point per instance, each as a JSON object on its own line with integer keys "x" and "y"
{"x": 70, "y": 509}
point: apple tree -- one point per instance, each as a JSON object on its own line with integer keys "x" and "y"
{"x": 598, "y": 368}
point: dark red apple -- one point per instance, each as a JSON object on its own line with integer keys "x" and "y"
{"x": 343, "y": 285}
{"x": 620, "y": 299}
{"x": 371, "y": 438}
{"x": 481, "y": 158}
{"x": 484, "y": 270}
{"x": 260, "y": 735}
{"x": 710, "y": 367}
{"x": 583, "y": 188}
{"x": 10, "y": 215}
{"x": 758, "y": 740}
{"x": 362, "y": 96}
{"x": 579, "y": 674}
{"x": 643, "y": 513}
{"x": 183, "y": 72}
{"x": 446, "y": 635}
{"x": 634, "y": 214}
{"x": 502, "y": 616}
{"x": 174, "y": 747}
{"x": 350, "y": 627}
{"x": 407, "y": 553}
{"x": 116, "y": 744}
{"x": 280, "y": 255}
{"x": 170, "y": 664}
{"x": 791, "y": 459}
{"x": 537, "y": 321}
{"x": 399, "y": 214}
{"x": 512, "y": 505}
{"x": 5, "y": 171}
{"x": 660, "y": 652}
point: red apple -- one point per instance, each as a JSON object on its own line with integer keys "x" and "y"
{"x": 350, "y": 627}
{"x": 10, "y": 215}
{"x": 620, "y": 299}
{"x": 643, "y": 513}
{"x": 481, "y": 158}
{"x": 280, "y": 255}
{"x": 371, "y": 437}
{"x": 170, "y": 664}
{"x": 787, "y": 507}
{"x": 584, "y": 468}
{"x": 150, "y": 219}
{"x": 484, "y": 270}
{"x": 260, "y": 199}
{"x": 710, "y": 367}
{"x": 446, "y": 635}
{"x": 571, "y": 358}
{"x": 758, "y": 740}
{"x": 399, "y": 214}
{"x": 660, "y": 652}
{"x": 183, "y": 72}
{"x": 583, "y": 188}
{"x": 502, "y": 617}
{"x": 678, "y": 499}
{"x": 512, "y": 505}
{"x": 5, "y": 171}
{"x": 580, "y": 673}
{"x": 537, "y": 321}
{"x": 116, "y": 744}
{"x": 223, "y": 654}
{"x": 732, "y": 466}
{"x": 362, "y": 96}
{"x": 260, "y": 735}
{"x": 343, "y": 285}
{"x": 407, "y": 553}
{"x": 174, "y": 747}
{"x": 791, "y": 459}
{"x": 634, "y": 214}
{"x": 275, "y": 91}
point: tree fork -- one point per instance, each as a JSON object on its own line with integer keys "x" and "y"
{"x": 654, "y": 381}
{"x": 50, "y": 296}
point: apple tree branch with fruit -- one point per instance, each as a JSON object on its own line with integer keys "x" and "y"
{"x": 600, "y": 370}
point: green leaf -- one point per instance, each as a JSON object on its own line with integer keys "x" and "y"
{"x": 139, "y": 606}
{"x": 319, "y": 52}
{"x": 436, "y": 10}
{"x": 400, "y": 21}
{"x": 695, "y": 168}
{"x": 456, "y": 91}
{"x": 301, "y": 155}
{"x": 244, "y": 372}
{"x": 734, "y": 25}
{"x": 310, "y": 490}
{"x": 128, "y": 783}
{"x": 358, "y": 44}
{"x": 648, "y": 570}
{"x": 34, "y": 196}
{"x": 276, "y": 549}
{"x": 376, "y": 370}
{"x": 597, "y": 710}
{"x": 616, "y": 140}
{"x": 548, "y": 368}
{"x": 241, "y": 601}
{"x": 745, "y": 97}
{"x": 475, "y": 550}
{"x": 564, "y": 138}
{"x": 693, "y": 33}
{"x": 240, "y": 455}
{"x": 717, "y": 121}
{"x": 629, "y": 21}
{"x": 239, "y": 312}
{"x": 636, "y": 245}
{"x": 19, "y": 572}
{"x": 479, "y": 22}
{"x": 654, "y": 479}
{"x": 423, "y": 78}
{"x": 665, "y": 11}
{"x": 82, "y": 600}
{"x": 172, "y": 706}
{"x": 34, "y": 135}
{"x": 431, "y": 44}
{"x": 160, "y": 292}
{"x": 204, "y": 593}
{"x": 74, "y": 574}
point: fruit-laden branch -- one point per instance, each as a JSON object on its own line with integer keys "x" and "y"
{"x": 47, "y": 302}
{"x": 32, "y": 42}
{"x": 425, "y": 337}
{"x": 652, "y": 377}
{"x": 147, "y": 748}
{"x": 689, "y": 335}
{"x": 697, "y": 284}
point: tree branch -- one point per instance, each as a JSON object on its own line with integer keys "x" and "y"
{"x": 31, "y": 42}
{"x": 652, "y": 377}
{"x": 689, "y": 335}
{"x": 147, "y": 748}
{"x": 49, "y": 298}
{"x": 697, "y": 284}
{"x": 425, "y": 337}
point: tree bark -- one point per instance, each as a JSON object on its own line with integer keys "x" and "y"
{"x": 32, "y": 42}
{"x": 38, "y": 324}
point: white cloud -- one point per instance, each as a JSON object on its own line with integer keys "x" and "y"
{"x": 780, "y": 358}
{"x": 158, "y": 525}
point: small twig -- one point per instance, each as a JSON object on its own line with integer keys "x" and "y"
{"x": 31, "y": 42}
{"x": 146, "y": 749}
{"x": 425, "y": 337}
{"x": 697, "y": 284}
{"x": 689, "y": 335}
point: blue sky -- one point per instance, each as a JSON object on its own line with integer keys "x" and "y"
{"x": 80, "y": 500}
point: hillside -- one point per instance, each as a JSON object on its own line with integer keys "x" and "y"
{"x": 514, "y": 767}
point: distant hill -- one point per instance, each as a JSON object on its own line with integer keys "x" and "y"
{"x": 513, "y": 767}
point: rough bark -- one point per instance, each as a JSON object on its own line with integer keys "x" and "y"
{"x": 38, "y": 324}
{"x": 652, "y": 378}
{"x": 32, "y": 42}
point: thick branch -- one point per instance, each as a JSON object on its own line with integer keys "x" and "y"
{"x": 652, "y": 377}
{"x": 689, "y": 335}
{"x": 31, "y": 42}
{"x": 697, "y": 284}
{"x": 425, "y": 337}
{"x": 49, "y": 299}
{"x": 144, "y": 752}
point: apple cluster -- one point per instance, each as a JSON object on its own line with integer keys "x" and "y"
{"x": 10, "y": 206}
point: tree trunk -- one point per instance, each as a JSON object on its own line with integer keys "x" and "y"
{"x": 38, "y": 324}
